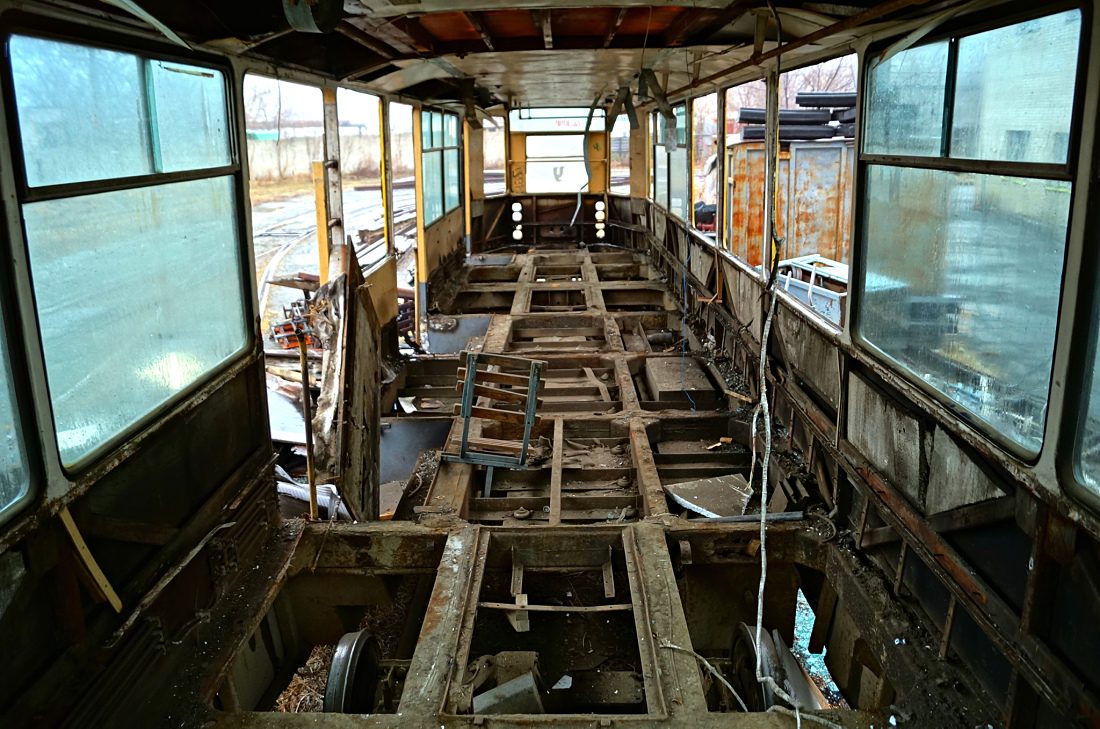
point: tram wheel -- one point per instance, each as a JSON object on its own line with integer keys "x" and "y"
{"x": 354, "y": 675}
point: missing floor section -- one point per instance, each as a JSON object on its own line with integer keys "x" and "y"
{"x": 555, "y": 630}
{"x": 557, "y": 333}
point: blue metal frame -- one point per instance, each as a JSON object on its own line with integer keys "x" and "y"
{"x": 469, "y": 396}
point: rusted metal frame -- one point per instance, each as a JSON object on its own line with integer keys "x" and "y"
{"x": 676, "y": 34}
{"x": 655, "y": 698}
{"x": 127, "y": 450}
{"x": 241, "y": 619}
{"x": 474, "y": 19}
{"x": 903, "y": 553}
{"x": 758, "y": 59}
{"x": 613, "y": 27}
{"x": 465, "y": 615}
{"x": 963, "y": 517}
{"x": 948, "y": 624}
{"x": 1028, "y": 654}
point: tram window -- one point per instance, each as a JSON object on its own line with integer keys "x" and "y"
{"x": 82, "y": 112}
{"x": 672, "y": 168}
{"x": 555, "y": 162}
{"x": 905, "y": 102}
{"x": 154, "y": 267}
{"x": 620, "y": 157}
{"x": 1014, "y": 94}
{"x": 14, "y": 480}
{"x": 704, "y": 139}
{"x": 962, "y": 269}
{"x": 361, "y": 174}
{"x": 494, "y": 141}
{"x": 441, "y": 171}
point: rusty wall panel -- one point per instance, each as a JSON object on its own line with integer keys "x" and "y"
{"x": 818, "y": 186}
{"x": 819, "y": 219}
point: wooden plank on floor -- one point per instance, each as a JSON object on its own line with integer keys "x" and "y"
{"x": 555, "y": 473}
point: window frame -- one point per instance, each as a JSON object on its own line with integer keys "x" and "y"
{"x": 1065, "y": 172}
{"x": 655, "y": 143}
{"x": 442, "y": 148}
{"x": 148, "y": 50}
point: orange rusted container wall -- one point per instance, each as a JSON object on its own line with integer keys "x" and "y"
{"x": 813, "y": 205}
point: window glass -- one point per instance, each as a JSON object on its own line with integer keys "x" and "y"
{"x": 192, "y": 129}
{"x": 437, "y": 129}
{"x": 905, "y": 103}
{"x": 555, "y": 163}
{"x": 138, "y": 263}
{"x": 493, "y": 142}
{"x": 14, "y": 480}
{"x": 1014, "y": 91}
{"x": 678, "y": 172}
{"x": 964, "y": 295}
{"x": 285, "y": 127}
{"x": 361, "y": 173}
{"x": 704, "y": 168}
{"x": 555, "y": 145}
{"x": 660, "y": 176}
{"x": 403, "y": 163}
{"x": 450, "y": 131}
{"x": 555, "y": 120}
{"x": 426, "y": 129}
{"x": 82, "y": 112}
{"x": 452, "y": 169}
{"x": 432, "y": 168}
{"x": 620, "y": 156}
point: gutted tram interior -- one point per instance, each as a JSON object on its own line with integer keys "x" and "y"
{"x": 491, "y": 363}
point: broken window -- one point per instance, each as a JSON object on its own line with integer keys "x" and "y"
{"x": 494, "y": 141}
{"x": 361, "y": 174}
{"x": 138, "y": 289}
{"x": 963, "y": 269}
{"x": 441, "y": 184}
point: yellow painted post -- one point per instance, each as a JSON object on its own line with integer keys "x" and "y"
{"x": 319, "y": 199}
{"x": 689, "y": 135}
{"x": 86, "y": 557}
{"x": 466, "y": 192}
{"x": 421, "y": 291}
{"x": 387, "y": 187}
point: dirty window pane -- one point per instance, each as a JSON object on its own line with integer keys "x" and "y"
{"x": 433, "y": 186}
{"x": 1088, "y": 442}
{"x": 555, "y": 176}
{"x": 678, "y": 175}
{"x": 138, "y": 294}
{"x": 452, "y": 171}
{"x": 1014, "y": 92}
{"x": 361, "y": 170}
{"x": 619, "y": 139}
{"x": 437, "y": 129}
{"x": 426, "y": 129}
{"x": 191, "y": 121}
{"x": 905, "y": 103}
{"x": 660, "y": 176}
{"x": 14, "y": 482}
{"x": 450, "y": 131}
{"x": 82, "y": 112}
{"x": 555, "y": 146}
{"x": 963, "y": 294}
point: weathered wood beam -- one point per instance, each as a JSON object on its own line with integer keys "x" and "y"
{"x": 731, "y": 14}
{"x": 613, "y": 28}
{"x": 475, "y": 20}
{"x": 676, "y": 34}
{"x": 964, "y": 517}
{"x": 543, "y": 23}
{"x": 419, "y": 37}
{"x": 366, "y": 40}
